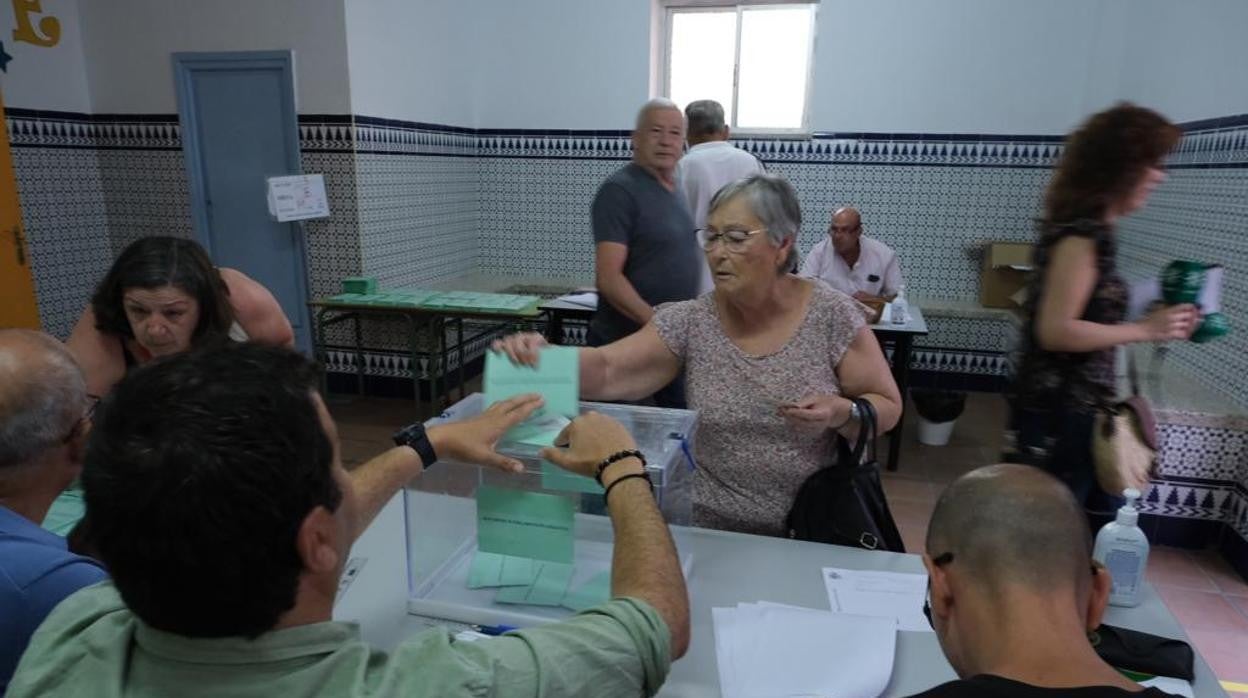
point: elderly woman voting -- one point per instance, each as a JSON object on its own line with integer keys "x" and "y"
{"x": 771, "y": 361}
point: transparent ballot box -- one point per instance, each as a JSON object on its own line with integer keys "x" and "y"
{"x": 440, "y": 509}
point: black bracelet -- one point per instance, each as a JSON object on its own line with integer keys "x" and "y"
{"x": 622, "y": 478}
{"x": 615, "y": 458}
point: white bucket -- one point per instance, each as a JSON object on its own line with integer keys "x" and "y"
{"x": 935, "y": 433}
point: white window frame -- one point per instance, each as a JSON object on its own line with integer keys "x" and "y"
{"x": 671, "y": 7}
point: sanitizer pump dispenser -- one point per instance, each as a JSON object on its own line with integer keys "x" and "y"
{"x": 1123, "y": 549}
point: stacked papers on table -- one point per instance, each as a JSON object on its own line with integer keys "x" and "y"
{"x": 767, "y": 650}
{"x": 895, "y": 595}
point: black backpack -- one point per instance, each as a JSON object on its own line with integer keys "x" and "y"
{"x": 844, "y": 503}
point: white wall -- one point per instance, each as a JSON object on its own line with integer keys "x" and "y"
{"x": 128, "y": 45}
{"x": 1188, "y": 60}
{"x": 412, "y": 60}
{"x": 46, "y": 77}
{"x": 561, "y": 64}
{"x": 956, "y": 66}
{"x": 967, "y": 66}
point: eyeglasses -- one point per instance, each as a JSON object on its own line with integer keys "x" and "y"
{"x": 843, "y": 228}
{"x": 940, "y": 561}
{"x": 735, "y": 240}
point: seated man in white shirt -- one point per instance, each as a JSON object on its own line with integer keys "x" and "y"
{"x": 711, "y": 163}
{"x": 864, "y": 268}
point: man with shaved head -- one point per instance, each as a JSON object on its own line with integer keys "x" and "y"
{"x": 864, "y": 268}
{"x": 1013, "y": 589}
{"x": 43, "y": 429}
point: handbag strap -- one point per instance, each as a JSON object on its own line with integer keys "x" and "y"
{"x": 1132, "y": 374}
{"x": 866, "y": 431}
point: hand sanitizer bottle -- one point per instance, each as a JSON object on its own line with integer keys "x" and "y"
{"x": 901, "y": 309}
{"x": 1122, "y": 548}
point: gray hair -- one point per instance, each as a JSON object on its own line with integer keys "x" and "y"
{"x": 42, "y": 395}
{"x": 774, "y": 202}
{"x": 652, "y": 105}
{"x": 705, "y": 117}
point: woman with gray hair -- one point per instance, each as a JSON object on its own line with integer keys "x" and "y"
{"x": 772, "y": 362}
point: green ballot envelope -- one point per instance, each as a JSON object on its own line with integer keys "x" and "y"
{"x": 524, "y": 524}
{"x": 486, "y": 545}
{"x": 556, "y": 378}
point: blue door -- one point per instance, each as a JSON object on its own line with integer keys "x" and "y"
{"x": 239, "y": 127}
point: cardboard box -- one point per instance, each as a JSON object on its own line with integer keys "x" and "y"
{"x": 1006, "y": 267}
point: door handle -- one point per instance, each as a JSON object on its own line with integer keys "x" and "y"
{"x": 20, "y": 241}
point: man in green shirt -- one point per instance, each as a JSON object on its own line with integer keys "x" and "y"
{"x": 218, "y": 501}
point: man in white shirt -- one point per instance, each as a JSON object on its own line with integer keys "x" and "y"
{"x": 710, "y": 163}
{"x": 864, "y": 268}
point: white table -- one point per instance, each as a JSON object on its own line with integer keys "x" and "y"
{"x": 728, "y": 568}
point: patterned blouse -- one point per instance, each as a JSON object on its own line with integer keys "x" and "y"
{"x": 751, "y": 461}
{"x": 1078, "y": 382}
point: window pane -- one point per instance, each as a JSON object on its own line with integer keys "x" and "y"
{"x": 775, "y": 51}
{"x": 701, "y": 56}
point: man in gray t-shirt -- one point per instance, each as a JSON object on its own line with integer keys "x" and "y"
{"x": 646, "y": 250}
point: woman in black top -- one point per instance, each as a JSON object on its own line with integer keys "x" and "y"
{"x": 1075, "y": 311}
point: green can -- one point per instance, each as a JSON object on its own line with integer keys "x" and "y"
{"x": 1182, "y": 281}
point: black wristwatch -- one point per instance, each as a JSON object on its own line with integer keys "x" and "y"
{"x": 414, "y": 437}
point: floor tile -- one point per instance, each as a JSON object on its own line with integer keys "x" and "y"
{"x": 911, "y": 513}
{"x": 897, "y": 489}
{"x": 1226, "y": 652}
{"x": 1173, "y": 567}
{"x": 1221, "y": 572}
{"x": 1203, "y": 610}
{"x": 1239, "y": 602}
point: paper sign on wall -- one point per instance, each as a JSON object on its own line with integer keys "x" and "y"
{"x": 297, "y": 197}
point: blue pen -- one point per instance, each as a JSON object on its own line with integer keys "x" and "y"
{"x": 494, "y": 629}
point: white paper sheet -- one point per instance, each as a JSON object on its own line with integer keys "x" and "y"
{"x": 774, "y": 651}
{"x": 1142, "y": 293}
{"x": 585, "y": 300}
{"x": 895, "y": 595}
{"x": 1175, "y": 687}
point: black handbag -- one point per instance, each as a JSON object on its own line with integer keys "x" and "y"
{"x": 1133, "y": 650}
{"x": 844, "y": 503}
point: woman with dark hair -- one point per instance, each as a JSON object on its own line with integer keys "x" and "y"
{"x": 1075, "y": 312}
{"x": 162, "y": 296}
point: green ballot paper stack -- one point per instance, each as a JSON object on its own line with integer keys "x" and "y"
{"x": 490, "y": 547}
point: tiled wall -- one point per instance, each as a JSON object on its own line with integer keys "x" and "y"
{"x": 417, "y": 203}
{"x": 536, "y": 190}
{"x": 89, "y": 185}
{"x": 1201, "y": 213}
{"x": 66, "y": 222}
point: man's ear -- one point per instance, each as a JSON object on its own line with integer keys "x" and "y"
{"x": 1102, "y": 582}
{"x": 77, "y": 443}
{"x": 316, "y": 541}
{"x": 941, "y": 593}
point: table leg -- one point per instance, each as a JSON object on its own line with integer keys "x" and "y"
{"x": 554, "y": 326}
{"x": 359, "y": 353}
{"x": 413, "y": 348}
{"x": 459, "y": 341}
{"x": 901, "y": 375}
{"x": 320, "y": 352}
{"x": 438, "y": 386}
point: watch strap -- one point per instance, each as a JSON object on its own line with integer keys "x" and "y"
{"x": 415, "y": 437}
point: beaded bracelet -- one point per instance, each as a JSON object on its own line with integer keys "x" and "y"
{"x": 622, "y": 478}
{"x": 615, "y": 458}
